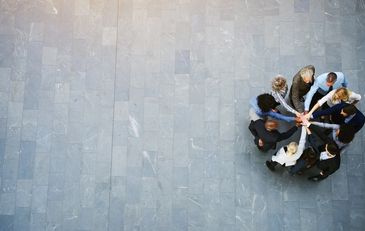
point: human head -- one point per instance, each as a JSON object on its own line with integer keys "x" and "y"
{"x": 331, "y": 79}
{"x": 345, "y": 133}
{"x": 332, "y": 149}
{"x": 266, "y": 102}
{"x": 292, "y": 148}
{"x": 341, "y": 94}
{"x": 271, "y": 125}
{"x": 307, "y": 74}
{"x": 279, "y": 83}
{"x": 348, "y": 110}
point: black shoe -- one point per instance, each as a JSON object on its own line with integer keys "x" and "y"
{"x": 315, "y": 178}
{"x": 268, "y": 164}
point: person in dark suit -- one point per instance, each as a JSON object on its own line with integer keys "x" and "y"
{"x": 266, "y": 134}
{"x": 302, "y": 83}
{"x": 343, "y": 113}
{"x": 329, "y": 161}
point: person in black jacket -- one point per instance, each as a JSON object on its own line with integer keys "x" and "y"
{"x": 343, "y": 113}
{"x": 266, "y": 134}
{"x": 329, "y": 161}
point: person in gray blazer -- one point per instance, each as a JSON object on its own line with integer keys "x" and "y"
{"x": 302, "y": 82}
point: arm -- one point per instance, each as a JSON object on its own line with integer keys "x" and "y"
{"x": 295, "y": 94}
{"x": 328, "y": 111}
{"x": 320, "y": 134}
{"x": 287, "y": 134}
{"x": 281, "y": 116}
{"x": 354, "y": 98}
{"x": 285, "y": 105}
{"x": 345, "y": 83}
{"x": 309, "y": 96}
{"x": 326, "y": 125}
{"x": 301, "y": 145}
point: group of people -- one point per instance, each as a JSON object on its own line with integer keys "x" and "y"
{"x": 325, "y": 110}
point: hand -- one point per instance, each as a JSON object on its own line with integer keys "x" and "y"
{"x": 305, "y": 112}
{"x": 261, "y": 143}
{"x": 298, "y": 114}
{"x": 307, "y": 116}
{"x": 305, "y": 122}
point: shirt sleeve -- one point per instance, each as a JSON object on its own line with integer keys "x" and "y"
{"x": 344, "y": 83}
{"x": 281, "y": 116}
{"x": 301, "y": 145}
{"x": 309, "y": 96}
{"x": 326, "y": 125}
{"x": 295, "y": 94}
{"x": 326, "y": 97}
{"x": 354, "y": 97}
{"x": 284, "y": 104}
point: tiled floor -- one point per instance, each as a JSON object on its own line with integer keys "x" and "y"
{"x": 132, "y": 114}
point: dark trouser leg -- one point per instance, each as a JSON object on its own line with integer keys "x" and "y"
{"x": 271, "y": 165}
{"x": 318, "y": 177}
{"x": 317, "y": 96}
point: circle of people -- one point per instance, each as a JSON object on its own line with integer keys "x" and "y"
{"x": 325, "y": 110}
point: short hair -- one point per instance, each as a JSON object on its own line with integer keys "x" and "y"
{"x": 346, "y": 134}
{"x": 292, "y": 148}
{"x": 266, "y": 102}
{"x": 332, "y": 148}
{"x": 278, "y": 83}
{"x": 331, "y": 77}
{"x": 272, "y": 124}
{"x": 349, "y": 109}
{"x": 306, "y": 72}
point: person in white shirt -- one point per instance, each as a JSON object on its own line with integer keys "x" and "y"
{"x": 288, "y": 155}
{"x": 335, "y": 97}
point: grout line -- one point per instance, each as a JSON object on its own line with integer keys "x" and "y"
{"x": 112, "y": 142}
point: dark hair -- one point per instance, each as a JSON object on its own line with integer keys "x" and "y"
{"x": 349, "y": 109}
{"x": 346, "y": 134}
{"x": 266, "y": 102}
{"x": 331, "y": 77}
{"x": 333, "y": 148}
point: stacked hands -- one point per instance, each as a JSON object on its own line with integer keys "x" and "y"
{"x": 302, "y": 120}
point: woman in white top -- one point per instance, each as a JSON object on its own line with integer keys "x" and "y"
{"x": 335, "y": 97}
{"x": 279, "y": 89}
{"x": 288, "y": 155}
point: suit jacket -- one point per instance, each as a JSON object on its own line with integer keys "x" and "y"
{"x": 299, "y": 89}
{"x": 270, "y": 138}
{"x": 357, "y": 121}
{"x": 329, "y": 166}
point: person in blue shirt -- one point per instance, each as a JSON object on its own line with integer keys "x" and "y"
{"x": 265, "y": 105}
{"x": 323, "y": 84}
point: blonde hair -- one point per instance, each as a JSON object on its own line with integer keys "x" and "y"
{"x": 341, "y": 94}
{"x": 278, "y": 83}
{"x": 292, "y": 148}
{"x": 306, "y": 72}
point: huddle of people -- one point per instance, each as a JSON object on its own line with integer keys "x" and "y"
{"x": 322, "y": 107}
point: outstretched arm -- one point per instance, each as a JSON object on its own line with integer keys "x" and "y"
{"x": 309, "y": 96}
{"x": 287, "y": 134}
{"x": 328, "y": 111}
{"x": 285, "y": 104}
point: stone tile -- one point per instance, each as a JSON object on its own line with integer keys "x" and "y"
{"x": 6, "y": 222}
{"x": 22, "y": 219}
{"x": 152, "y": 99}
{"x": 26, "y": 159}
{"x": 24, "y": 193}
{"x": 182, "y": 62}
